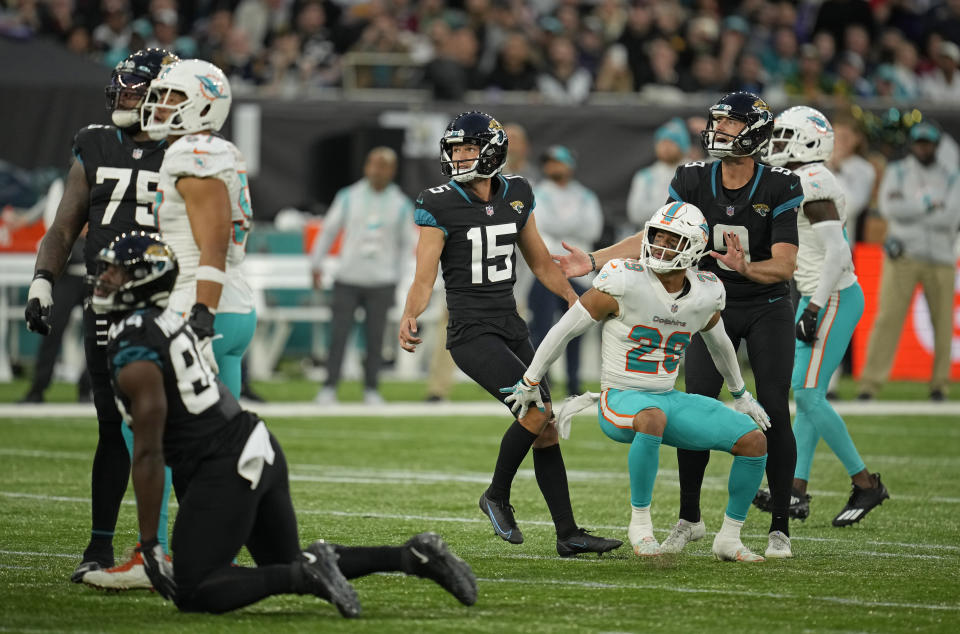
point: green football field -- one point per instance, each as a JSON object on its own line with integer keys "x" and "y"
{"x": 373, "y": 480}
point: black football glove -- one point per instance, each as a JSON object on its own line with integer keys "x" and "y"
{"x": 807, "y": 326}
{"x": 159, "y": 569}
{"x": 201, "y": 322}
{"x": 40, "y": 303}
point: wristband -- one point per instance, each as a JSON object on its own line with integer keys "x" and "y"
{"x": 211, "y": 274}
{"x": 738, "y": 393}
{"x": 593, "y": 262}
{"x": 43, "y": 274}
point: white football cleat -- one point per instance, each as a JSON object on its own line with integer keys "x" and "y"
{"x": 646, "y": 546}
{"x": 727, "y": 549}
{"x": 778, "y": 546}
{"x": 682, "y": 534}
{"x": 129, "y": 575}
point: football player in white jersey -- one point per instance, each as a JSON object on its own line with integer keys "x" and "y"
{"x": 649, "y": 309}
{"x": 830, "y": 306}
{"x": 203, "y": 210}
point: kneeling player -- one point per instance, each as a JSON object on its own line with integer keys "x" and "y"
{"x": 649, "y": 309}
{"x": 229, "y": 471}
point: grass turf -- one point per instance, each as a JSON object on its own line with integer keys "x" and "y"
{"x": 372, "y": 481}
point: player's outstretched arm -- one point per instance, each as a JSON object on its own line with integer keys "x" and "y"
{"x": 578, "y": 262}
{"x": 592, "y": 307}
{"x": 541, "y": 263}
{"x": 429, "y": 248}
{"x": 208, "y": 209}
{"x": 142, "y": 383}
{"x": 725, "y": 358}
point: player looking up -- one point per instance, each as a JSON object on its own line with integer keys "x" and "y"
{"x": 470, "y": 226}
{"x": 831, "y": 304}
{"x": 751, "y": 209}
{"x": 649, "y": 308}
{"x": 110, "y": 188}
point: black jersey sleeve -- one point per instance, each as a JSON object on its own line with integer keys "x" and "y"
{"x": 683, "y": 187}
{"x": 428, "y": 209}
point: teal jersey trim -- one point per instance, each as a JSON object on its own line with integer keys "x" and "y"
{"x": 424, "y": 218}
{"x": 673, "y": 194}
{"x": 506, "y": 185}
{"x": 790, "y": 204}
{"x": 713, "y": 177}
{"x": 453, "y": 184}
{"x": 132, "y": 354}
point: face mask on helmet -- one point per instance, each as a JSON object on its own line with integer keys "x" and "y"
{"x": 683, "y": 238}
{"x": 800, "y": 135}
{"x": 187, "y": 97}
{"x": 755, "y": 117}
{"x": 479, "y": 130}
{"x": 130, "y": 81}
{"x": 136, "y": 270}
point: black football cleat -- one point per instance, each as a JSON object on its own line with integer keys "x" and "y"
{"x": 583, "y": 542}
{"x": 322, "y": 577}
{"x": 501, "y": 516}
{"x": 799, "y": 503}
{"x": 426, "y": 555}
{"x": 861, "y": 502}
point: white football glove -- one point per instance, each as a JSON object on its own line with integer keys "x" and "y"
{"x": 521, "y": 396}
{"x": 206, "y": 349}
{"x": 746, "y": 404}
{"x": 39, "y": 304}
{"x": 159, "y": 569}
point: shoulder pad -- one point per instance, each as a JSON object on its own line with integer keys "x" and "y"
{"x": 196, "y": 156}
{"x": 612, "y": 278}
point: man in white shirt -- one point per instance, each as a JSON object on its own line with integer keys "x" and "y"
{"x": 671, "y": 144}
{"x": 378, "y": 237}
{"x": 568, "y": 212}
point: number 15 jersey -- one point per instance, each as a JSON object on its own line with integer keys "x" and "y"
{"x": 478, "y": 256}
{"x": 642, "y": 346}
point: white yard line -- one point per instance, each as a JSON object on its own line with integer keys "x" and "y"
{"x": 451, "y": 409}
{"x": 481, "y": 520}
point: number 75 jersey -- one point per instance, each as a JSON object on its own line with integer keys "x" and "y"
{"x": 478, "y": 257}
{"x": 642, "y": 346}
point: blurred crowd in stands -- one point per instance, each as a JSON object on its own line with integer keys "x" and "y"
{"x": 557, "y": 51}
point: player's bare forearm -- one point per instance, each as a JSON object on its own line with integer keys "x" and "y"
{"x": 418, "y": 298}
{"x": 541, "y": 263}
{"x": 72, "y": 214}
{"x": 631, "y": 247}
{"x": 779, "y": 268}
{"x": 208, "y": 293}
{"x": 142, "y": 383}
{"x": 208, "y": 209}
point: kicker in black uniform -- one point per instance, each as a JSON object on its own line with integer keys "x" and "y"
{"x": 470, "y": 227}
{"x": 229, "y": 471}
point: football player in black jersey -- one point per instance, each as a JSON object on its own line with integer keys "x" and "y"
{"x": 110, "y": 188}
{"x": 470, "y": 226}
{"x": 752, "y": 212}
{"x": 230, "y": 471}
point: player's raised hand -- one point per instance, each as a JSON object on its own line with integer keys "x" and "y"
{"x": 159, "y": 569}
{"x": 40, "y": 303}
{"x": 573, "y": 264}
{"x": 735, "y": 259}
{"x": 746, "y": 404}
{"x": 522, "y": 396}
{"x": 408, "y": 334}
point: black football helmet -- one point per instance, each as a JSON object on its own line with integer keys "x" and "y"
{"x": 133, "y": 75}
{"x": 483, "y": 130}
{"x": 741, "y": 106}
{"x": 151, "y": 271}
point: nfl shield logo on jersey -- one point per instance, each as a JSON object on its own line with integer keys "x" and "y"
{"x": 730, "y": 210}
{"x": 137, "y": 153}
{"x": 489, "y": 209}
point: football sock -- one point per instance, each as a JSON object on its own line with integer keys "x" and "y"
{"x": 640, "y": 519}
{"x": 643, "y": 460}
{"x": 745, "y": 477}
{"x": 357, "y": 561}
{"x": 807, "y": 438}
{"x": 513, "y": 449}
{"x": 552, "y": 479}
{"x": 108, "y": 483}
{"x": 164, "y": 522}
{"x": 234, "y": 587}
{"x": 813, "y": 404}
{"x": 781, "y": 465}
{"x": 730, "y": 529}
{"x": 692, "y": 465}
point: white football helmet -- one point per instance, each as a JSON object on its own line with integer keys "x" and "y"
{"x": 800, "y": 135}
{"x": 207, "y": 103}
{"x": 684, "y": 220}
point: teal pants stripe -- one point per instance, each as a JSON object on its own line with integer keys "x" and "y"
{"x": 236, "y": 333}
{"x": 813, "y": 367}
{"x": 162, "y": 528}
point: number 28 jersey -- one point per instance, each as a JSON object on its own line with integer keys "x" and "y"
{"x": 122, "y": 177}
{"x": 200, "y": 410}
{"x": 479, "y": 253}
{"x": 642, "y": 346}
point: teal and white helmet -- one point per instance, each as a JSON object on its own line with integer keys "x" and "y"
{"x": 684, "y": 220}
{"x": 207, "y": 104}
{"x": 800, "y": 135}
